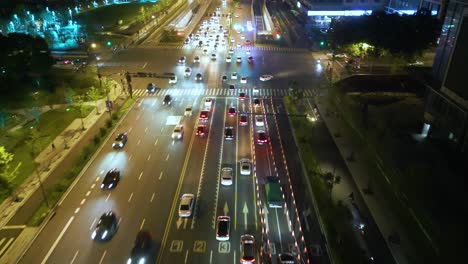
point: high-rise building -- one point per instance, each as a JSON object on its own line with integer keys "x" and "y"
{"x": 446, "y": 114}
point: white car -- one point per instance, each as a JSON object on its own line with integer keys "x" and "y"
{"x": 242, "y": 37}
{"x": 188, "y": 72}
{"x": 233, "y": 40}
{"x": 259, "y": 120}
{"x": 231, "y": 51}
{"x": 186, "y": 205}
{"x": 213, "y": 56}
{"x": 243, "y": 80}
{"x": 178, "y": 132}
{"x": 247, "y": 52}
{"x": 173, "y": 79}
{"x": 188, "y": 111}
{"x": 239, "y": 60}
{"x": 208, "y": 103}
{"x": 238, "y": 45}
{"x": 226, "y": 176}
{"x": 234, "y": 76}
{"x": 245, "y": 167}
{"x": 182, "y": 60}
{"x": 205, "y": 51}
{"x": 266, "y": 77}
{"x": 228, "y": 59}
{"x": 196, "y": 59}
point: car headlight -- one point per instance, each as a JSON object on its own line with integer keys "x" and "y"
{"x": 113, "y": 144}
{"x": 110, "y": 186}
{"x": 103, "y": 236}
{"x": 120, "y": 144}
{"x": 179, "y": 136}
{"x": 93, "y": 235}
{"x": 142, "y": 261}
{"x": 129, "y": 261}
{"x": 102, "y": 185}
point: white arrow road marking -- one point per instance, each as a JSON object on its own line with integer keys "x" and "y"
{"x": 245, "y": 211}
{"x": 226, "y": 208}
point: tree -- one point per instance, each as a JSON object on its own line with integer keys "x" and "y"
{"x": 79, "y": 102}
{"x": 5, "y": 171}
{"x": 94, "y": 94}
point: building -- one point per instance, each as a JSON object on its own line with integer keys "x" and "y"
{"x": 446, "y": 115}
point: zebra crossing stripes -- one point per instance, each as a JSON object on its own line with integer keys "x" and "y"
{"x": 225, "y": 48}
{"x": 222, "y": 92}
{"x": 5, "y": 243}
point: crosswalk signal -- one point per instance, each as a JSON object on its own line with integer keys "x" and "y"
{"x": 109, "y": 43}
{"x": 278, "y": 36}
{"x": 322, "y": 43}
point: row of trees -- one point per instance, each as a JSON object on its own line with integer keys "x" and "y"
{"x": 401, "y": 36}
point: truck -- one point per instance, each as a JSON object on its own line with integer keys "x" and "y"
{"x": 274, "y": 196}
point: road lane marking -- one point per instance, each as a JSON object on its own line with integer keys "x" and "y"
{"x": 88, "y": 193}
{"x": 152, "y": 197}
{"x": 144, "y": 65}
{"x": 97, "y": 178}
{"x": 142, "y": 223}
{"x": 156, "y": 142}
{"x": 130, "y": 157}
{"x": 146, "y": 129}
{"x": 77, "y": 210}
{"x": 141, "y": 174}
{"x": 57, "y": 240}
{"x": 186, "y": 256}
{"x": 245, "y": 211}
{"x": 74, "y": 257}
{"x": 211, "y": 256}
{"x": 149, "y": 157}
{"x": 83, "y": 201}
{"x": 224, "y": 247}
{"x": 167, "y": 157}
{"x": 235, "y": 260}
{"x": 160, "y": 175}
{"x": 130, "y": 198}
{"x": 103, "y": 255}
{"x": 107, "y": 198}
{"x": 176, "y": 246}
{"x": 220, "y": 161}
{"x": 120, "y": 220}
{"x": 138, "y": 117}
{"x": 130, "y": 130}
{"x": 7, "y": 245}
{"x": 139, "y": 141}
{"x": 279, "y": 229}
{"x": 175, "y": 200}
{"x": 199, "y": 246}
{"x": 92, "y": 224}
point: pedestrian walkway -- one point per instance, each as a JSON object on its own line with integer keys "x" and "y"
{"x": 221, "y": 92}
{"x": 387, "y": 223}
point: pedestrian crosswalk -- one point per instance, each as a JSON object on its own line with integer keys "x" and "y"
{"x": 5, "y": 243}
{"x": 221, "y": 92}
{"x": 225, "y": 48}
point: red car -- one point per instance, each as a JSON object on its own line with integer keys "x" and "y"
{"x": 232, "y": 111}
{"x": 261, "y": 137}
{"x": 243, "y": 120}
{"x": 204, "y": 116}
{"x": 242, "y": 96}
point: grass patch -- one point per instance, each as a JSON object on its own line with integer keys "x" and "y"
{"x": 50, "y": 125}
{"x": 57, "y": 191}
{"x": 171, "y": 38}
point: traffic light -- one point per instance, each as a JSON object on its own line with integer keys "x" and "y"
{"x": 278, "y": 36}
{"x": 322, "y": 43}
{"x": 109, "y": 43}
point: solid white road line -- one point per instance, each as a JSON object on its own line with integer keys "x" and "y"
{"x": 211, "y": 256}
{"x": 142, "y": 223}
{"x": 186, "y": 256}
{"x": 57, "y": 240}
{"x": 74, "y": 257}
{"x": 103, "y": 255}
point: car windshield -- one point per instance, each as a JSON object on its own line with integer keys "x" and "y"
{"x": 245, "y": 167}
{"x": 232, "y": 110}
{"x": 177, "y": 130}
{"x": 223, "y": 228}
{"x": 105, "y": 221}
{"x": 184, "y": 207}
{"x": 188, "y": 109}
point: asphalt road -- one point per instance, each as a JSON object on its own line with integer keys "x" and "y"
{"x": 156, "y": 170}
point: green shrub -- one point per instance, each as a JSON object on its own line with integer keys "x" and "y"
{"x": 115, "y": 116}
{"x": 96, "y": 139}
{"x": 109, "y": 123}
{"x": 103, "y": 131}
{"x": 87, "y": 151}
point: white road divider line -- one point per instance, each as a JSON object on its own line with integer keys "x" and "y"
{"x": 102, "y": 258}
{"x": 141, "y": 174}
{"x": 47, "y": 256}
{"x": 74, "y": 257}
{"x": 142, "y": 223}
{"x": 152, "y": 197}
{"x": 130, "y": 198}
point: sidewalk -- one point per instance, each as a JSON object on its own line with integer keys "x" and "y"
{"x": 387, "y": 223}
{"x": 48, "y": 160}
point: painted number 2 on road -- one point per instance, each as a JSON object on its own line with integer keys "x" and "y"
{"x": 199, "y": 246}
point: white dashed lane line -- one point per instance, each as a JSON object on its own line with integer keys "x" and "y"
{"x": 130, "y": 198}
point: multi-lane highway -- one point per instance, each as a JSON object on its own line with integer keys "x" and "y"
{"x": 156, "y": 170}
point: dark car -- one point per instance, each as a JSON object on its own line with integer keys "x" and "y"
{"x": 201, "y": 130}
{"x": 167, "y": 100}
{"x": 223, "y": 230}
{"x": 286, "y": 258}
{"x": 105, "y": 227}
{"x": 242, "y": 96}
{"x": 120, "y": 141}
{"x": 232, "y": 87}
{"x": 111, "y": 179}
{"x": 151, "y": 88}
{"x": 256, "y": 102}
{"x": 143, "y": 249}
{"x": 224, "y": 78}
{"x": 232, "y": 111}
{"x": 229, "y": 133}
{"x": 247, "y": 254}
{"x": 199, "y": 77}
{"x": 250, "y": 59}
